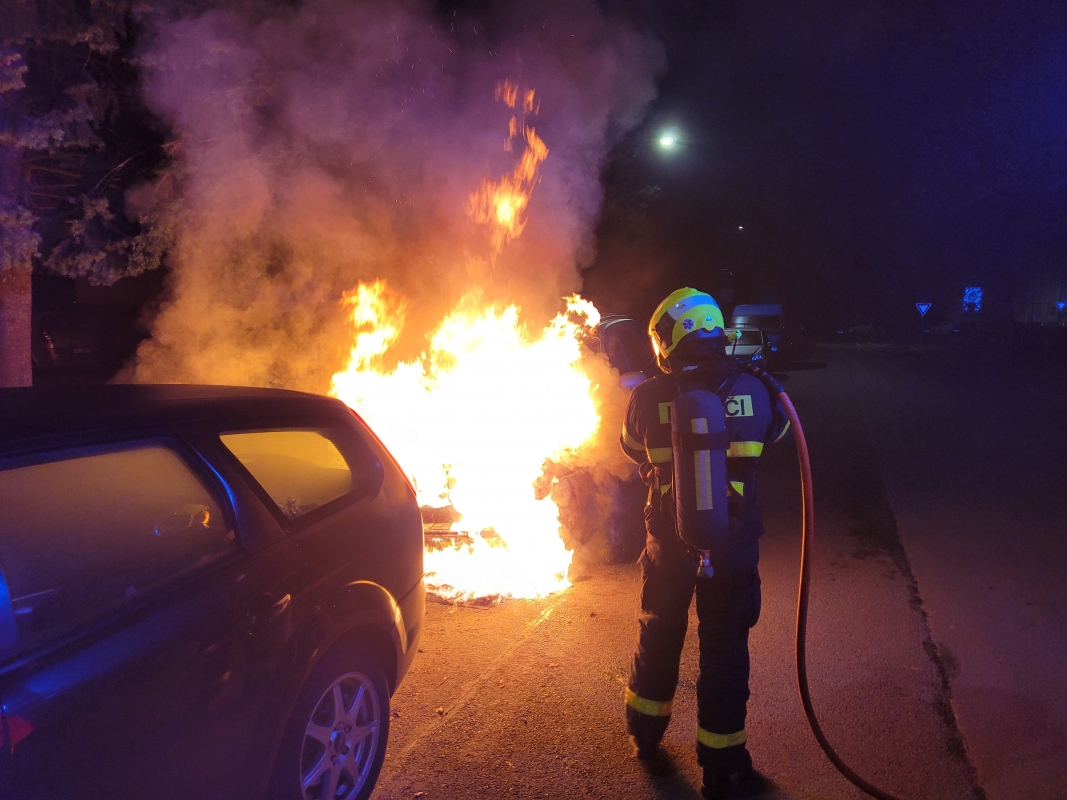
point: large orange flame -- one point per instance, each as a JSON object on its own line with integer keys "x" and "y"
{"x": 476, "y": 417}
{"x": 473, "y": 422}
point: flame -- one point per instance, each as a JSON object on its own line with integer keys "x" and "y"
{"x": 473, "y": 421}
{"x": 477, "y": 415}
{"x": 507, "y": 92}
{"x": 377, "y": 321}
{"x": 500, "y": 204}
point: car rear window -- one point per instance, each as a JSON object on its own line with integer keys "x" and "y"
{"x": 745, "y": 338}
{"x": 82, "y": 531}
{"x": 300, "y": 469}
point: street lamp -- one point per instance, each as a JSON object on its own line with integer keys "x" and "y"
{"x": 669, "y": 140}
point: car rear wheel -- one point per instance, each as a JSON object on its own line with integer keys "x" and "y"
{"x": 335, "y": 741}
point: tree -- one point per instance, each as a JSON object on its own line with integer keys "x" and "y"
{"x": 73, "y": 138}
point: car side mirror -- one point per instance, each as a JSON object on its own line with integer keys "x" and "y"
{"x": 631, "y": 380}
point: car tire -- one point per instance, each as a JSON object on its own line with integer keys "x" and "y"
{"x": 337, "y": 733}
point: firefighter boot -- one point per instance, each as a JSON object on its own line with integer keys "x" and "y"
{"x": 726, "y": 772}
{"x": 646, "y": 732}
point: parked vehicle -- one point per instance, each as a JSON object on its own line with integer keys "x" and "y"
{"x": 745, "y": 344}
{"x": 205, "y": 592}
{"x": 61, "y": 341}
{"x": 767, "y": 317}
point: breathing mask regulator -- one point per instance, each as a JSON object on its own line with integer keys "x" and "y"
{"x": 688, "y": 338}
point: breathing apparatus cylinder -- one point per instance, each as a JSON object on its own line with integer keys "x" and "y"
{"x": 700, "y": 442}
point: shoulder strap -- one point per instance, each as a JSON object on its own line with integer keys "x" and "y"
{"x": 727, "y": 385}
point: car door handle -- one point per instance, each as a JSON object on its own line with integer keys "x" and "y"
{"x": 268, "y": 609}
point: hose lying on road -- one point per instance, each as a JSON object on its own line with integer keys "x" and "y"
{"x": 807, "y": 539}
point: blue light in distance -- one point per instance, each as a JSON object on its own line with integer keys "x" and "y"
{"x": 1061, "y": 305}
{"x": 972, "y": 298}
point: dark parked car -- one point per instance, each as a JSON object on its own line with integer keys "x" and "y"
{"x": 205, "y": 592}
{"x": 745, "y": 344}
{"x": 767, "y": 317}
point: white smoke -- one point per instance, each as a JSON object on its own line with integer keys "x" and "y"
{"x": 336, "y": 142}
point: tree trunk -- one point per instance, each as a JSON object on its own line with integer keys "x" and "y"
{"x": 16, "y": 366}
{"x": 18, "y": 246}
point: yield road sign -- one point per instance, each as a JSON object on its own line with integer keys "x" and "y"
{"x": 923, "y": 308}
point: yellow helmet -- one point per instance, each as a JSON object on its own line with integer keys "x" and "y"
{"x": 680, "y": 314}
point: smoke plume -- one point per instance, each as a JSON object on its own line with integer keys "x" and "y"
{"x": 331, "y": 142}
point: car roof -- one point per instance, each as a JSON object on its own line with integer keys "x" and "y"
{"x": 765, "y": 308}
{"x": 43, "y": 411}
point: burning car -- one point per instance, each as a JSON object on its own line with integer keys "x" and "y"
{"x": 595, "y": 515}
{"x": 475, "y": 418}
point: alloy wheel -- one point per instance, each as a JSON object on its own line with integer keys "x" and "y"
{"x": 341, "y": 739}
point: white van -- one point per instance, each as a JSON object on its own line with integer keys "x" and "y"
{"x": 765, "y": 317}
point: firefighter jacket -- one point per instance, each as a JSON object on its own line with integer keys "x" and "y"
{"x": 753, "y": 418}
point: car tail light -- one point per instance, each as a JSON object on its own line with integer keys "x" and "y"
{"x": 16, "y": 729}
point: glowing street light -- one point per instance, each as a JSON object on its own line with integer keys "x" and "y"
{"x": 669, "y": 139}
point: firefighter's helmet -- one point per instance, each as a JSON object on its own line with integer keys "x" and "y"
{"x": 683, "y": 312}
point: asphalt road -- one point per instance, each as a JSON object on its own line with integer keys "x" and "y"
{"x": 974, "y": 458}
{"x": 937, "y": 629}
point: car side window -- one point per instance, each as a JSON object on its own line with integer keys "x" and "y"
{"x": 300, "y": 469}
{"x": 83, "y": 531}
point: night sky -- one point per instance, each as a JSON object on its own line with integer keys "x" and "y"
{"x": 875, "y": 153}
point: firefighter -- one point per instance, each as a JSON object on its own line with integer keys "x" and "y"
{"x": 689, "y": 341}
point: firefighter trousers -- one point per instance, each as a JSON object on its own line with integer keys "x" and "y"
{"x": 728, "y": 605}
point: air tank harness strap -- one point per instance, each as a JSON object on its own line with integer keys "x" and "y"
{"x": 727, "y": 385}
{"x": 691, "y": 442}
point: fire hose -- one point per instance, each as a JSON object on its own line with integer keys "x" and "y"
{"x": 807, "y": 540}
